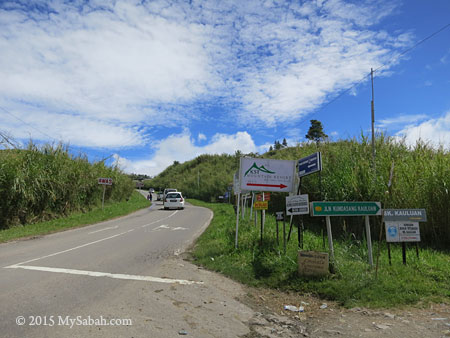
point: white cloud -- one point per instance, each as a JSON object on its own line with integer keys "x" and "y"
{"x": 201, "y": 137}
{"x": 434, "y": 131}
{"x": 400, "y": 121}
{"x": 181, "y": 148}
{"x": 128, "y": 63}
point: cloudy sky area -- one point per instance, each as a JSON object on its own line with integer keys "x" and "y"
{"x": 152, "y": 82}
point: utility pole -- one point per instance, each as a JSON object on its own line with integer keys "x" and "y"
{"x": 373, "y": 124}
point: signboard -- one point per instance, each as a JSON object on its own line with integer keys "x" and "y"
{"x": 105, "y": 181}
{"x": 259, "y": 197}
{"x": 297, "y": 205}
{"x": 345, "y": 208}
{"x": 402, "y": 232}
{"x": 259, "y": 174}
{"x": 261, "y": 205}
{"x": 312, "y": 263}
{"x": 280, "y": 215}
{"x": 405, "y": 215}
{"x": 310, "y": 164}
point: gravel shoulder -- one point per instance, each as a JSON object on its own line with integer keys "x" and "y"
{"x": 221, "y": 307}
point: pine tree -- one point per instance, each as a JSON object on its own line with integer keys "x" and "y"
{"x": 315, "y": 132}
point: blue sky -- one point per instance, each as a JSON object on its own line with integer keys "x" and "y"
{"x": 152, "y": 82}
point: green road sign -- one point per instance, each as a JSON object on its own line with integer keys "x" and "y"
{"x": 345, "y": 208}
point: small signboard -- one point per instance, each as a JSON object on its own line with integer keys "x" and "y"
{"x": 312, "y": 263}
{"x": 345, "y": 208}
{"x": 297, "y": 205}
{"x": 405, "y": 215}
{"x": 261, "y": 205}
{"x": 259, "y": 197}
{"x": 310, "y": 164}
{"x": 259, "y": 174}
{"x": 280, "y": 215}
{"x": 105, "y": 181}
{"x": 402, "y": 232}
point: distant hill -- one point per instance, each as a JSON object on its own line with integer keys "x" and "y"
{"x": 421, "y": 177}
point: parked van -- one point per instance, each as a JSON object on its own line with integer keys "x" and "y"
{"x": 166, "y": 191}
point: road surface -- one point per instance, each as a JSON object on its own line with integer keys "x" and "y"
{"x": 119, "y": 278}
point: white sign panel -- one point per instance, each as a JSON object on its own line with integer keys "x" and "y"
{"x": 259, "y": 174}
{"x": 402, "y": 232}
{"x": 297, "y": 205}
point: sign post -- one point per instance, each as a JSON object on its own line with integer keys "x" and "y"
{"x": 104, "y": 181}
{"x": 259, "y": 174}
{"x": 402, "y": 226}
{"x": 328, "y": 209}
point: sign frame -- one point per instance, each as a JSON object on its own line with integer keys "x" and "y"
{"x": 260, "y": 174}
{"x": 337, "y": 208}
{"x": 290, "y": 205}
{"x": 310, "y": 164}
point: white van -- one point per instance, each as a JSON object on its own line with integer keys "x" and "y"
{"x": 166, "y": 191}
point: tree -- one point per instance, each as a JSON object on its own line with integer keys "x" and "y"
{"x": 315, "y": 132}
{"x": 284, "y": 143}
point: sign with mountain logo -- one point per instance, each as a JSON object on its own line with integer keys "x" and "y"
{"x": 259, "y": 174}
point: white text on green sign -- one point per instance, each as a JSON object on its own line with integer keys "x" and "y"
{"x": 346, "y": 208}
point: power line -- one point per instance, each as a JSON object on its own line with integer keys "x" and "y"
{"x": 382, "y": 66}
{"x": 28, "y": 124}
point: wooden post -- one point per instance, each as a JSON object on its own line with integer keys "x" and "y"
{"x": 369, "y": 241}
{"x": 103, "y": 199}
{"x": 404, "y": 252}
{"x": 284, "y": 233}
{"x": 330, "y": 238}
{"x": 389, "y": 252}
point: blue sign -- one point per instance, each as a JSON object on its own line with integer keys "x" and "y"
{"x": 310, "y": 164}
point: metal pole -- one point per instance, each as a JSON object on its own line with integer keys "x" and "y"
{"x": 373, "y": 123}
{"x": 237, "y": 220}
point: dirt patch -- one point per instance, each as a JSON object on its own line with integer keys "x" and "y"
{"x": 326, "y": 319}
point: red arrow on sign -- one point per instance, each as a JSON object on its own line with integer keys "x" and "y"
{"x": 281, "y": 186}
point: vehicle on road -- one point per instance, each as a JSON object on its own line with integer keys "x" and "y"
{"x": 174, "y": 200}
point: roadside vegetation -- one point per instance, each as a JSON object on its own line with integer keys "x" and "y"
{"x": 420, "y": 179}
{"x": 77, "y": 219}
{"x": 43, "y": 183}
{"x": 422, "y": 280}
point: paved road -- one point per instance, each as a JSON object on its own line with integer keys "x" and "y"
{"x": 73, "y": 283}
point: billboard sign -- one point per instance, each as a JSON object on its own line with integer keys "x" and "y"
{"x": 259, "y": 174}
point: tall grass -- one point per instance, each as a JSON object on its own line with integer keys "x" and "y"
{"x": 421, "y": 180}
{"x": 424, "y": 279}
{"x": 41, "y": 183}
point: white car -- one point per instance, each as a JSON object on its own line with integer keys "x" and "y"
{"x": 174, "y": 200}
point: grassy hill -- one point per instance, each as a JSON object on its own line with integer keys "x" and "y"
{"x": 421, "y": 179}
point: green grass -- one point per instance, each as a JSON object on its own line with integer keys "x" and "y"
{"x": 111, "y": 210}
{"x": 422, "y": 280}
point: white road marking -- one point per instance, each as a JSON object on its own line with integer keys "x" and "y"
{"x": 164, "y": 226}
{"x": 162, "y": 219}
{"x": 77, "y": 247}
{"x": 104, "y": 274}
{"x": 108, "y": 228}
{"x": 179, "y": 228}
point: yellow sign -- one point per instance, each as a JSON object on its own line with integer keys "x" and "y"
{"x": 261, "y": 205}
